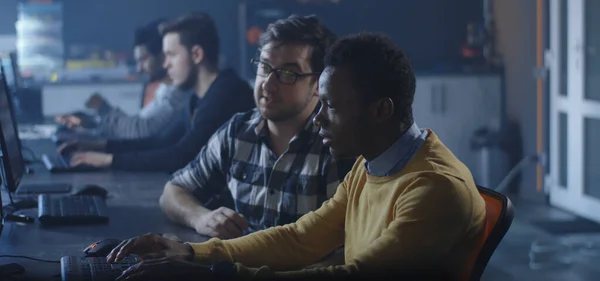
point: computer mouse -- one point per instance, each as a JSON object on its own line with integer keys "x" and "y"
{"x": 101, "y": 248}
{"x": 92, "y": 190}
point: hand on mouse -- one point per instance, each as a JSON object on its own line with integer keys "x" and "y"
{"x": 69, "y": 121}
{"x": 95, "y": 159}
{"x": 223, "y": 223}
{"x": 78, "y": 145}
{"x": 151, "y": 246}
{"x": 166, "y": 269}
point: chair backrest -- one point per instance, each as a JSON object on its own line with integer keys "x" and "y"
{"x": 499, "y": 217}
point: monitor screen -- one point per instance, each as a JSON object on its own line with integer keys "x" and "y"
{"x": 1, "y": 208}
{"x": 15, "y": 73}
{"x": 7, "y": 65}
{"x": 12, "y": 159}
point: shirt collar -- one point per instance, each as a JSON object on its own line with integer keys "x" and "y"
{"x": 385, "y": 162}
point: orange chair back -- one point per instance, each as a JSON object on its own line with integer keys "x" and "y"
{"x": 499, "y": 217}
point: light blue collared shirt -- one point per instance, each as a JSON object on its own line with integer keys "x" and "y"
{"x": 395, "y": 158}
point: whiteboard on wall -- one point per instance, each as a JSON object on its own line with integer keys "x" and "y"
{"x": 65, "y": 98}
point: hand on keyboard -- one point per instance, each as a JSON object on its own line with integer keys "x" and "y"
{"x": 71, "y": 146}
{"x": 94, "y": 159}
{"x": 69, "y": 121}
{"x": 166, "y": 269}
{"x": 151, "y": 246}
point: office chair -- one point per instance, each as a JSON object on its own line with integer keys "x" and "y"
{"x": 499, "y": 217}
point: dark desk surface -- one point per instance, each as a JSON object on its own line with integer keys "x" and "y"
{"x": 133, "y": 206}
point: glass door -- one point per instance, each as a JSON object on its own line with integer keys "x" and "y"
{"x": 574, "y": 180}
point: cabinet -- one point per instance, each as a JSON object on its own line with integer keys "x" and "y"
{"x": 454, "y": 106}
{"x": 63, "y": 98}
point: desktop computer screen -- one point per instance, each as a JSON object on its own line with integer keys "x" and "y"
{"x": 12, "y": 159}
{"x": 15, "y": 73}
{"x": 7, "y": 66}
{"x": 1, "y": 210}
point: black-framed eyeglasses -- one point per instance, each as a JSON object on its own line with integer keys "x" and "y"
{"x": 283, "y": 75}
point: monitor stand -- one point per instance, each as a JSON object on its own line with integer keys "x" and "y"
{"x": 28, "y": 203}
{"x": 9, "y": 209}
{"x": 15, "y": 205}
{"x": 29, "y": 199}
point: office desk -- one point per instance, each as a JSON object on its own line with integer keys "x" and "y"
{"x": 133, "y": 207}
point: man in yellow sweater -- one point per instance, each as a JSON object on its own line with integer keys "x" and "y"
{"x": 408, "y": 205}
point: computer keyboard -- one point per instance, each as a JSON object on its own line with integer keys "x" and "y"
{"x": 55, "y": 160}
{"x": 65, "y": 136}
{"x": 58, "y": 163}
{"x": 71, "y": 210}
{"x": 93, "y": 268}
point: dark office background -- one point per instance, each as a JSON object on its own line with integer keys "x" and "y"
{"x": 426, "y": 29}
{"x": 431, "y": 31}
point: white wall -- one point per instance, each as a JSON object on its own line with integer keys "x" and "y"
{"x": 516, "y": 25}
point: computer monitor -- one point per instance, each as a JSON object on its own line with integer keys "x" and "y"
{"x": 7, "y": 65}
{"x": 12, "y": 158}
{"x": 16, "y": 73}
{"x": 1, "y": 205}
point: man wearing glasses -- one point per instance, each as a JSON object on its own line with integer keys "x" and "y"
{"x": 271, "y": 161}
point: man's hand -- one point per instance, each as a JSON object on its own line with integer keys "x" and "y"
{"x": 151, "y": 246}
{"x": 68, "y": 120}
{"x": 95, "y": 159}
{"x": 166, "y": 269}
{"x": 79, "y": 145}
{"x": 223, "y": 223}
{"x": 96, "y": 101}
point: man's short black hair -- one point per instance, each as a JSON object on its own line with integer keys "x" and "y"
{"x": 308, "y": 30}
{"x": 149, "y": 36}
{"x": 380, "y": 69}
{"x": 197, "y": 29}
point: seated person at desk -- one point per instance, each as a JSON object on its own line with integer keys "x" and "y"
{"x": 271, "y": 160}
{"x": 155, "y": 116}
{"x": 191, "y": 47}
{"x": 408, "y": 207}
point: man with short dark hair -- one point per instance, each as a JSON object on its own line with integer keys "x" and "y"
{"x": 270, "y": 160}
{"x": 409, "y": 207}
{"x": 191, "y": 49}
{"x": 160, "y": 107}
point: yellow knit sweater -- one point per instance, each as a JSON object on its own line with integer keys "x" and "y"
{"x": 427, "y": 216}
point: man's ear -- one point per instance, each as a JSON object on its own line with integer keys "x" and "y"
{"x": 197, "y": 54}
{"x": 382, "y": 110}
{"x": 316, "y": 85}
{"x": 316, "y": 91}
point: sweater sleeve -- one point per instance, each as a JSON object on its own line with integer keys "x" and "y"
{"x": 169, "y": 136}
{"x": 151, "y": 120}
{"x": 207, "y": 120}
{"x": 285, "y": 247}
{"x": 420, "y": 234}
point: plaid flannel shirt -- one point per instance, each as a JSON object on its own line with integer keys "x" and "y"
{"x": 266, "y": 189}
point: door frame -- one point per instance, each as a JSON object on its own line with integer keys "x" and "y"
{"x": 571, "y": 197}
